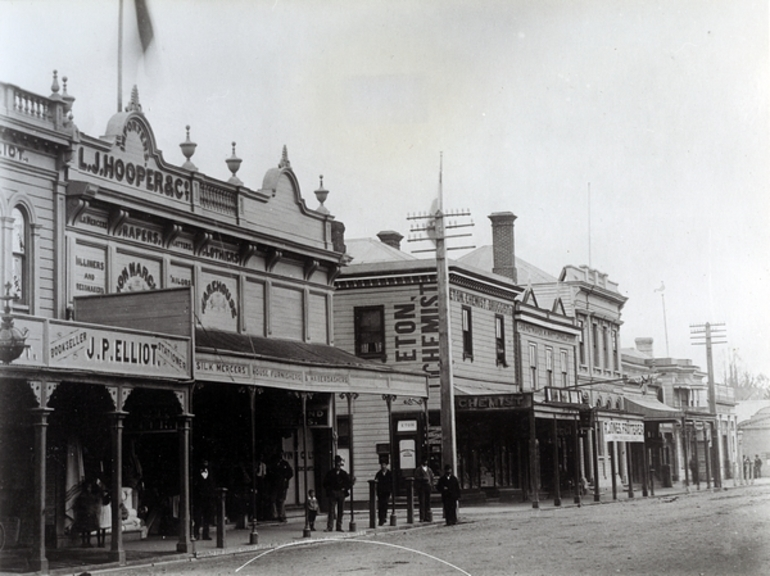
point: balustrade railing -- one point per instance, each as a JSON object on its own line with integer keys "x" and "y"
{"x": 219, "y": 199}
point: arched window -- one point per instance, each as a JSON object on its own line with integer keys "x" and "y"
{"x": 21, "y": 256}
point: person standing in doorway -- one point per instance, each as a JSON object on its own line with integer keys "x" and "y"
{"x": 204, "y": 500}
{"x": 449, "y": 487}
{"x": 337, "y": 486}
{"x": 384, "y": 479}
{"x": 423, "y": 482}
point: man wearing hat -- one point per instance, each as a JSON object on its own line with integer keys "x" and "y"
{"x": 337, "y": 487}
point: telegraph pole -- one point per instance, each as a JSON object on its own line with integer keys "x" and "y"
{"x": 707, "y": 335}
{"x": 435, "y": 227}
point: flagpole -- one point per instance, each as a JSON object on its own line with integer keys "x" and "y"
{"x": 120, "y": 55}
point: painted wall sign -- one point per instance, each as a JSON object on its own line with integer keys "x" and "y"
{"x": 525, "y": 328}
{"x": 133, "y": 274}
{"x": 180, "y": 276}
{"x": 89, "y": 271}
{"x": 117, "y": 351}
{"x": 136, "y": 174}
{"x": 623, "y": 431}
{"x": 480, "y": 302}
{"x": 415, "y": 324}
{"x": 13, "y": 152}
{"x": 77, "y": 346}
{"x": 491, "y": 402}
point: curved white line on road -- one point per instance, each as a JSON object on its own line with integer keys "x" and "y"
{"x": 305, "y": 543}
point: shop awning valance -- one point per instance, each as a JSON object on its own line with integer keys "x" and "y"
{"x": 652, "y": 409}
{"x": 299, "y": 366}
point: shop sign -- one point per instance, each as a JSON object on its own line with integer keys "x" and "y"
{"x": 491, "y": 402}
{"x": 407, "y": 426}
{"x": 59, "y": 344}
{"x": 623, "y": 431}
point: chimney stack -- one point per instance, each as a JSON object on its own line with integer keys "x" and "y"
{"x": 391, "y": 238}
{"x": 644, "y": 345}
{"x": 503, "y": 248}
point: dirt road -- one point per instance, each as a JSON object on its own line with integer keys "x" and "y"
{"x": 705, "y": 533}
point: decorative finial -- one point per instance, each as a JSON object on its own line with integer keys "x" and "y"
{"x": 188, "y": 149}
{"x": 55, "y": 87}
{"x": 233, "y": 164}
{"x": 284, "y": 163}
{"x": 321, "y": 195}
{"x": 66, "y": 97}
{"x": 133, "y": 105}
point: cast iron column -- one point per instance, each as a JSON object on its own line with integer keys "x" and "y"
{"x": 185, "y": 529}
{"x": 117, "y": 552}
{"x": 556, "y": 474}
{"x": 38, "y": 561}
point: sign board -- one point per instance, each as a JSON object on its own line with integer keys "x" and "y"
{"x": 623, "y": 431}
{"x": 492, "y": 402}
{"x": 64, "y": 345}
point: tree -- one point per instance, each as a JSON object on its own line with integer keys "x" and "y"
{"x": 748, "y": 386}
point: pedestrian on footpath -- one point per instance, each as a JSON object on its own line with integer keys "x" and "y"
{"x": 423, "y": 482}
{"x": 747, "y": 469}
{"x": 282, "y": 474}
{"x": 449, "y": 487}
{"x": 757, "y": 466}
{"x": 384, "y": 479}
{"x": 337, "y": 486}
{"x": 204, "y": 501}
{"x": 312, "y": 508}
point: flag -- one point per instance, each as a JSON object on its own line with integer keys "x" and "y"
{"x": 144, "y": 23}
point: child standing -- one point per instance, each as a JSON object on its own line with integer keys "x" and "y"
{"x": 312, "y": 508}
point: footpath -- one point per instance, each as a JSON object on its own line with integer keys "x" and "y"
{"x": 161, "y": 550}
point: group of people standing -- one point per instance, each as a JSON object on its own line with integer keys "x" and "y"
{"x": 272, "y": 483}
{"x": 752, "y": 469}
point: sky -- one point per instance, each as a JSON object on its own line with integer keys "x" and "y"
{"x": 629, "y": 135}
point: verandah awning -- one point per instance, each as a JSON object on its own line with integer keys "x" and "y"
{"x": 298, "y": 366}
{"x": 652, "y": 409}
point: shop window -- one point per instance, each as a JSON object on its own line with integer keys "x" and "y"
{"x": 467, "y": 333}
{"x": 20, "y": 276}
{"x": 500, "y": 340}
{"x": 370, "y": 332}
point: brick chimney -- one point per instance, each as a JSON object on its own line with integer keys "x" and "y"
{"x": 391, "y": 238}
{"x": 503, "y": 249}
{"x": 644, "y": 345}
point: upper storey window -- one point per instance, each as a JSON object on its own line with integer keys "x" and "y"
{"x": 370, "y": 332}
{"x": 500, "y": 340}
{"x": 467, "y": 333}
{"x": 20, "y": 246}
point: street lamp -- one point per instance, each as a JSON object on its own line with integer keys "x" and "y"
{"x": 12, "y": 340}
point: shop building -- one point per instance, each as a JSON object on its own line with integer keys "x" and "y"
{"x": 509, "y": 419}
{"x": 689, "y": 443}
{"x": 170, "y": 318}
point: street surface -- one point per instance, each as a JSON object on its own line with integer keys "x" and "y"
{"x": 704, "y": 533}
